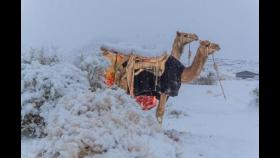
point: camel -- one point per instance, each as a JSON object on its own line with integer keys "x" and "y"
{"x": 118, "y": 58}
{"x": 181, "y": 39}
{"x": 190, "y": 73}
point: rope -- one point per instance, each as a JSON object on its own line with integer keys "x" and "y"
{"x": 157, "y": 73}
{"x": 190, "y": 54}
{"x": 131, "y": 88}
{"x": 218, "y": 76}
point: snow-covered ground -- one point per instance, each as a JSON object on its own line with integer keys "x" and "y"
{"x": 215, "y": 127}
{"x": 199, "y": 122}
{"x": 70, "y": 113}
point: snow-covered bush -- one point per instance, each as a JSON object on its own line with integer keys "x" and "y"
{"x": 210, "y": 79}
{"x": 176, "y": 113}
{"x": 106, "y": 123}
{"x": 43, "y": 55}
{"x": 256, "y": 94}
{"x": 42, "y": 83}
{"x": 74, "y": 122}
{"x": 95, "y": 67}
{"x": 100, "y": 123}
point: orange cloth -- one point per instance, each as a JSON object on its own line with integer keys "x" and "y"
{"x": 109, "y": 77}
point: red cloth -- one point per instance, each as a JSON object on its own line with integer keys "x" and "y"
{"x": 146, "y": 102}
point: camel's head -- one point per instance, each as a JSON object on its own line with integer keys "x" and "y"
{"x": 185, "y": 38}
{"x": 210, "y": 46}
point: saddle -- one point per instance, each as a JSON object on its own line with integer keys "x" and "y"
{"x": 142, "y": 61}
{"x": 124, "y": 75}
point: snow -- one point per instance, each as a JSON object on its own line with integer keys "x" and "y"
{"x": 216, "y": 127}
{"x": 106, "y": 122}
{"x": 75, "y": 121}
{"x": 135, "y": 48}
{"x": 70, "y": 24}
{"x": 68, "y": 112}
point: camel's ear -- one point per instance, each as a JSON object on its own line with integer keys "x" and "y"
{"x": 205, "y": 43}
{"x": 178, "y": 33}
{"x": 208, "y": 43}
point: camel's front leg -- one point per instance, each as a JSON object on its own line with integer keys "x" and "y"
{"x": 161, "y": 107}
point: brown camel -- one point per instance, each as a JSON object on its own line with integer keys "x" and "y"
{"x": 181, "y": 39}
{"x": 118, "y": 58}
{"x": 190, "y": 73}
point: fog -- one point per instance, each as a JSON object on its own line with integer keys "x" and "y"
{"x": 71, "y": 24}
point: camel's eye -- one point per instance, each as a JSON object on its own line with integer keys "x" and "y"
{"x": 185, "y": 35}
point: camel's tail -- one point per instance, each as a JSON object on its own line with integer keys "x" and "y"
{"x": 107, "y": 50}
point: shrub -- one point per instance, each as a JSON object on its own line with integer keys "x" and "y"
{"x": 256, "y": 94}
{"x": 95, "y": 68}
{"x": 74, "y": 122}
{"x": 210, "y": 79}
{"x": 43, "y": 81}
{"x": 42, "y": 55}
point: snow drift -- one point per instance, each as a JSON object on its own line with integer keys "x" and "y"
{"x": 71, "y": 113}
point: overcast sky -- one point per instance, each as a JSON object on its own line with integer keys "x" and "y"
{"x": 70, "y": 24}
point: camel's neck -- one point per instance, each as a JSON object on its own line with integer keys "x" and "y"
{"x": 177, "y": 49}
{"x": 192, "y": 72}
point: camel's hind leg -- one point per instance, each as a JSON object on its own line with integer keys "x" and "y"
{"x": 161, "y": 107}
